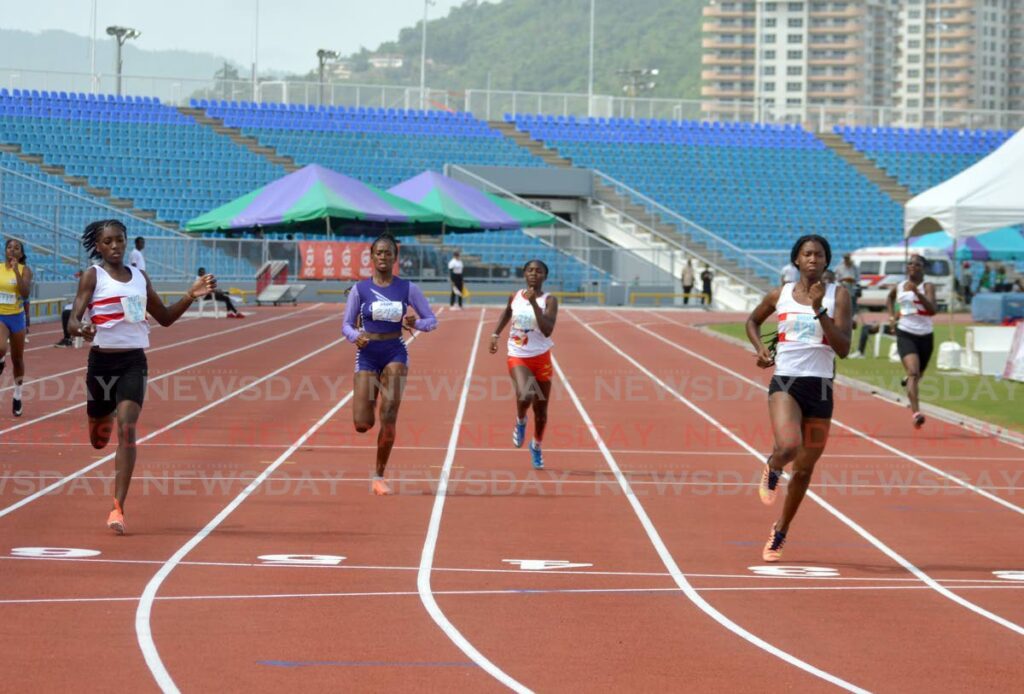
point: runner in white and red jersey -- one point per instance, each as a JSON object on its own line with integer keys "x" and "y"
{"x": 117, "y": 298}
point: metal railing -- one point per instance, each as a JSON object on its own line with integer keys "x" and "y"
{"x": 712, "y": 241}
{"x": 650, "y": 227}
{"x": 622, "y": 264}
{"x": 492, "y": 104}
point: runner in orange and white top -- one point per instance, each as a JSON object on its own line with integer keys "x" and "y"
{"x": 914, "y": 299}
{"x": 815, "y": 326}
{"x": 118, "y": 297}
{"x": 532, "y": 314}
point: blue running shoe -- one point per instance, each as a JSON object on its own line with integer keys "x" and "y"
{"x": 538, "y": 456}
{"x": 518, "y": 433}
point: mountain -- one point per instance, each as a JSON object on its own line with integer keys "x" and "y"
{"x": 542, "y": 45}
{"x": 524, "y": 45}
{"x": 30, "y": 60}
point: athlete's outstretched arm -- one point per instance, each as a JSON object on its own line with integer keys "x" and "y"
{"x": 167, "y": 315}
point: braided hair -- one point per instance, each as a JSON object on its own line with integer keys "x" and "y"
{"x": 92, "y": 234}
{"x": 388, "y": 238}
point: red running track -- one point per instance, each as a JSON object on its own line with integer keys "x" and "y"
{"x": 634, "y": 567}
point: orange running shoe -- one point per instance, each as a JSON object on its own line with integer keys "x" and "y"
{"x": 115, "y": 521}
{"x": 380, "y": 487}
{"x": 773, "y": 548}
{"x": 769, "y": 486}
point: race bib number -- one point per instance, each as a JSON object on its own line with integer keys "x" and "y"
{"x": 134, "y": 308}
{"x": 389, "y": 311}
{"x": 524, "y": 321}
{"x": 803, "y": 328}
{"x": 8, "y": 299}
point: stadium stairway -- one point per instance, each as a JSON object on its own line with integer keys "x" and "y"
{"x": 616, "y": 202}
{"x": 535, "y": 147}
{"x": 867, "y": 168}
{"x": 125, "y": 204}
{"x": 236, "y": 135}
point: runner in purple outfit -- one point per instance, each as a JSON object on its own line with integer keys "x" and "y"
{"x": 382, "y": 361}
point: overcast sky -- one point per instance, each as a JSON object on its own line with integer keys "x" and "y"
{"x": 290, "y": 31}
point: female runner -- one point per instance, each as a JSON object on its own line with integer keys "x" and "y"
{"x": 533, "y": 314}
{"x": 118, "y": 297}
{"x": 814, "y": 327}
{"x": 382, "y": 360}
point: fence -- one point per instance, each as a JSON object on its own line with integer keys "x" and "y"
{"x": 492, "y": 104}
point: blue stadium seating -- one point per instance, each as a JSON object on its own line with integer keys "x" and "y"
{"x": 382, "y": 147}
{"x": 758, "y": 186}
{"x": 923, "y": 158}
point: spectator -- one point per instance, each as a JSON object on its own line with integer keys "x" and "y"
{"x": 1000, "y": 282}
{"x": 135, "y": 258}
{"x": 789, "y": 273}
{"x": 688, "y": 278}
{"x": 985, "y": 281}
{"x": 455, "y": 268}
{"x": 705, "y": 279}
{"x": 218, "y": 295}
{"x": 849, "y": 276}
{"x": 966, "y": 283}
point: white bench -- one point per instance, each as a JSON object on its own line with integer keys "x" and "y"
{"x": 986, "y": 349}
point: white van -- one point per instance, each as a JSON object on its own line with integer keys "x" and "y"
{"x": 883, "y": 267}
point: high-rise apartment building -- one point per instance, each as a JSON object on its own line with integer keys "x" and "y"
{"x": 840, "y": 54}
{"x": 788, "y": 55}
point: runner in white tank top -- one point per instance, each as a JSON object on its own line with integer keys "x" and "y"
{"x": 532, "y": 314}
{"x": 117, "y": 298}
{"x": 911, "y": 306}
{"x": 815, "y": 325}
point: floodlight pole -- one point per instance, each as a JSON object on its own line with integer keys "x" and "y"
{"x": 121, "y": 35}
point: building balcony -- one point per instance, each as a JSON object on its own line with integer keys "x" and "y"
{"x": 847, "y": 93}
{"x": 719, "y": 12}
{"x": 725, "y": 43}
{"x": 816, "y": 44}
{"x": 848, "y": 59}
{"x": 714, "y": 59}
{"x": 719, "y": 28}
{"x": 725, "y": 76}
{"x": 710, "y": 90}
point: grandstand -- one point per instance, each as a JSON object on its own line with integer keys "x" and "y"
{"x": 67, "y": 158}
{"x": 757, "y": 186}
{"x": 382, "y": 147}
{"x": 922, "y": 159}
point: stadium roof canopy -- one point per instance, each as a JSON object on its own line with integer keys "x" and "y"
{"x": 985, "y": 196}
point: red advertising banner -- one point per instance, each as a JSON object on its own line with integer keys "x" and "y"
{"x": 335, "y": 260}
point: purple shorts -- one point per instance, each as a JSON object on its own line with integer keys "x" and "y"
{"x": 379, "y": 353}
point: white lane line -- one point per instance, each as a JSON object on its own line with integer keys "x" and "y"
{"x": 433, "y": 529}
{"x": 756, "y": 578}
{"x": 181, "y": 420}
{"x": 846, "y": 520}
{"x": 670, "y": 563}
{"x": 493, "y": 591}
{"x": 168, "y": 374}
{"x": 881, "y": 444}
{"x": 199, "y": 338}
{"x": 143, "y": 613}
{"x": 981, "y": 434}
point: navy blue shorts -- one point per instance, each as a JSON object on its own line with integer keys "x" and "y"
{"x": 15, "y": 324}
{"x": 379, "y": 353}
